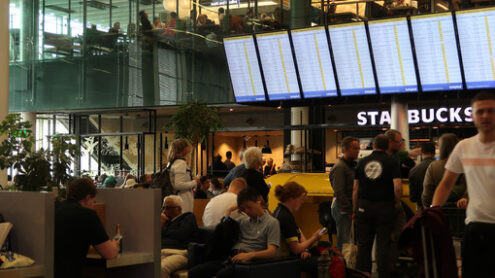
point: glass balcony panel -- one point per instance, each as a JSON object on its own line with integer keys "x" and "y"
{"x": 64, "y": 55}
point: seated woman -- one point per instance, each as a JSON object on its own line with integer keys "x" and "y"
{"x": 293, "y": 242}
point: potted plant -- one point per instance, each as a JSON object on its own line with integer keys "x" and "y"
{"x": 62, "y": 153}
{"x": 33, "y": 167}
{"x": 194, "y": 121}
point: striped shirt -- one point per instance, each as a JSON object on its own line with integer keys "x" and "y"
{"x": 477, "y": 161}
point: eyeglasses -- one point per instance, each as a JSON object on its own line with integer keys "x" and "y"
{"x": 399, "y": 142}
{"x": 170, "y": 207}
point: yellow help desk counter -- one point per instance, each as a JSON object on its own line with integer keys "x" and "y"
{"x": 319, "y": 190}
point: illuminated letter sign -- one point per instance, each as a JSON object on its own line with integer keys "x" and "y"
{"x": 418, "y": 116}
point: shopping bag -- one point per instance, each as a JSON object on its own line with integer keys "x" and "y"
{"x": 349, "y": 249}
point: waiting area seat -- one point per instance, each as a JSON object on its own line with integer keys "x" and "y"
{"x": 283, "y": 267}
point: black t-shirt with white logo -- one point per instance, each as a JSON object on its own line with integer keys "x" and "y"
{"x": 76, "y": 228}
{"x": 375, "y": 174}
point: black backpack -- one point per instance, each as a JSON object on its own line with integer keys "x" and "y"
{"x": 224, "y": 237}
{"x": 162, "y": 181}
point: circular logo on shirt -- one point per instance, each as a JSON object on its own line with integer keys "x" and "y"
{"x": 373, "y": 170}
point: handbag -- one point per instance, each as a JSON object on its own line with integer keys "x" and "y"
{"x": 11, "y": 260}
{"x": 349, "y": 250}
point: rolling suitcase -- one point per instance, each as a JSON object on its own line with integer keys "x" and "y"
{"x": 429, "y": 253}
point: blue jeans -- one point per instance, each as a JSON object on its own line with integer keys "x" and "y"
{"x": 343, "y": 224}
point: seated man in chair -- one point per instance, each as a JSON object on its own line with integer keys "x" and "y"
{"x": 178, "y": 229}
{"x": 259, "y": 237}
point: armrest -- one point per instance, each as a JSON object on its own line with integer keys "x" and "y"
{"x": 286, "y": 267}
{"x": 194, "y": 254}
{"x": 275, "y": 261}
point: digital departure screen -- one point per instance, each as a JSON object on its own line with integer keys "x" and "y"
{"x": 244, "y": 69}
{"x": 314, "y": 62}
{"x": 278, "y": 66}
{"x": 352, "y": 59}
{"x": 476, "y": 31}
{"x": 393, "y": 56}
{"x": 436, "y": 52}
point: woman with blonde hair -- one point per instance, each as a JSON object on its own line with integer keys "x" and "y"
{"x": 128, "y": 179}
{"x": 180, "y": 174}
{"x": 292, "y": 241}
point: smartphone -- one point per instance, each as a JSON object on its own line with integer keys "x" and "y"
{"x": 323, "y": 231}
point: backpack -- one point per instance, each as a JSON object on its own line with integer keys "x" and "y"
{"x": 223, "y": 239}
{"x": 337, "y": 267}
{"x": 162, "y": 181}
{"x": 325, "y": 217}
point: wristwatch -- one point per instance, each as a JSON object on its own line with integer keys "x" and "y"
{"x": 225, "y": 218}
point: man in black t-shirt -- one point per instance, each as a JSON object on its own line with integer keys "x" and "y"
{"x": 417, "y": 174}
{"x": 376, "y": 197}
{"x": 77, "y": 226}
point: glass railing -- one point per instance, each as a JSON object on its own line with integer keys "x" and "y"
{"x": 124, "y": 53}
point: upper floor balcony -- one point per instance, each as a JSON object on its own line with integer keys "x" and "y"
{"x": 68, "y": 54}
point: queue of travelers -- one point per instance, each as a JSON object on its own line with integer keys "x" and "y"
{"x": 367, "y": 196}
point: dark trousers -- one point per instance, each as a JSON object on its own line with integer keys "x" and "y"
{"x": 375, "y": 219}
{"x": 212, "y": 269}
{"x": 477, "y": 250}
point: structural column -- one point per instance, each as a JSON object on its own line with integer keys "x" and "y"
{"x": 28, "y": 45}
{"x": 299, "y": 13}
{"x": 299, "y": 17}
{"x": 299, "y": 116}
{"x": 399, "y": 119}
{"x": 4, "y": 69}
{"x": 31, "y": 118}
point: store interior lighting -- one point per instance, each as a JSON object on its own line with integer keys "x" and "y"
{"x": 266, "y": 148}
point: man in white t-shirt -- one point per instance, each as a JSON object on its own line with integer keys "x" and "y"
{"x": 216, "y": 207}
{"x": 475, "y": 157}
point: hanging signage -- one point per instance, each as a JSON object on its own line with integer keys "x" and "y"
{"x": 418, "y": 116}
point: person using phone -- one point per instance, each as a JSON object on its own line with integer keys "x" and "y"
{"x": 323, "y": 231}
{"x": 293, "y": 242}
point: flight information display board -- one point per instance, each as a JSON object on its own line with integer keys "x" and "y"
{"x": 476, "y": 31}
{"x": 244, "y": 69}
{"x": 314, "y": 62}
{"x": 278, "y": 66}
{"x": 352, "y": 59}
{"x": 436, "y": 52}
{"x": 392, "y": 52}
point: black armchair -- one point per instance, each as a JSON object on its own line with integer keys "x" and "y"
{"x": 283, "y": 267}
